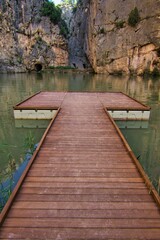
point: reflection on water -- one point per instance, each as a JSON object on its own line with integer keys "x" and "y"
{"x": 16, "y": 87}
{"x": 145, "y": 144}
{"x": 136, "y": 124}
{"x": 31, "y": 123}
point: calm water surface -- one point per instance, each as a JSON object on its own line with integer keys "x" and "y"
{"x": 16, "y": 87}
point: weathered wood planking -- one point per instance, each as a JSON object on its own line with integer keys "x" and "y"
{"x": 44, "y": 104}
{"x": 42, "y": 100}
{"x": 84, "y": 182}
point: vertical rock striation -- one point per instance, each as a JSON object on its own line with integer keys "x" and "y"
{"x": 102, "y": 34}
{"x": 29, "y": 41}
{"x": 100, "y": 37}
{"x": 78, "y": 36}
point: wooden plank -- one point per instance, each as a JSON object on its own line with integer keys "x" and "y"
{"x": 91, "y": 156}
{"x": 84, "y": 191}
{"x": 83, "y": 223}
{"x": 138, "y": 165}
{"x": 84, "y": 182}
{"x": 27, "y": 99}
{"x": 81, "y": 173}
{"x": 120, "y": 101}
{"x": 86, "y": 165}
{"x": 42, "y": 100}
{"x": 21, "y": 180}
{"x": 62, "y": 168}
{"x": 84, "y": 185}
{"x": 62, "y": 159}
{"x": 84, "y": 205}
{"x": 83, "y": 234}
{"x": 87, "y": 214}
{"x": 84, "y": 198}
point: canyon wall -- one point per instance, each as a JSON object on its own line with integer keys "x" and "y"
{"x": 102, "y": 36}
{"x": 28, "y": 40}
{"x": 78, "y": 36}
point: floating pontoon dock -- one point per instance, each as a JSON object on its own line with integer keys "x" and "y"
{"x": 83, "y": 181}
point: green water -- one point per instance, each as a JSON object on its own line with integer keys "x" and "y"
{"x": 16, "y": 87}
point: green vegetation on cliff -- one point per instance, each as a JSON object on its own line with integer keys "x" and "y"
{"x": 134, "y": 17}
{"x": 54, "y": 13}
{"x": 69, "y": 2}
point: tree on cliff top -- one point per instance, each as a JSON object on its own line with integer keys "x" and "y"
{"x": 50, "y": 10}
{"x": 69, "y": 2}
{"x": 54, "y": 13}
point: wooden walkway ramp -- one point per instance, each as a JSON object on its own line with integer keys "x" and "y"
{"x": 84, "y": 182}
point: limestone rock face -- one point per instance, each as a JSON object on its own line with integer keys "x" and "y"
{"x": 78, "y": 38}
{"x": 28, "y": 40}
{"x": 110, "y": 43}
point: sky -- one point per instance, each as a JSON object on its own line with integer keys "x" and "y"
{"x": 56, "y": 1}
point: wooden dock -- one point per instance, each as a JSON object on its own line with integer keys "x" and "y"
{"x": 83, "y": 181}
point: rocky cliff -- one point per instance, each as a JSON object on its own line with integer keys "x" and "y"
{"x": 78, "y": 36}
{"x": 29, "y": 41}
{"x": 103, "y": 36}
